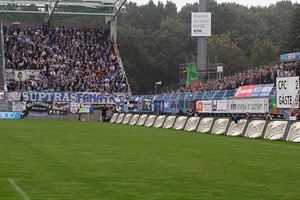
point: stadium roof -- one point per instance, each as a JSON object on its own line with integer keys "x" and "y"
{"x": 95, "y": 7}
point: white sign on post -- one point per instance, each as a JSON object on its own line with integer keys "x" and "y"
{"x": 201, "y": 24}
{"x": 287, "y": 89}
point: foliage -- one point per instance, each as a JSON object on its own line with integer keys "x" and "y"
{"x": 220, "y": 48}
{"x": 263, "y": 52}
{"x": 294, "y": 31}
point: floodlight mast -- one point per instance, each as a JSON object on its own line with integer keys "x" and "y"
{"x": 202, "y": 48}
{"x": 52, "y": 11}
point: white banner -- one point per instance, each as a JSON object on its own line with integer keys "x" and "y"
{"x": 294, "y": 132}
{"x": 201, "y": 24}
{"x": 10, "y": 74}
{"x": 219, "y": 106}
{"x": 204, "y": 106}
{"x": 19, "y": 106}
{"x": 276, "y": 130}
{"x": 33, "y": 74}
{"x": 260, "y": 105}
{"x": 20, "y": 75}
{"x": 255, "y": 128}
{"x": 14, "y": 96}
{"x": 205, "y": 125}
{"x": 287, "y": 89}
{"x": 220, "y": 126}
{"x": 237, "y": 129}
{"x": 253, "y": 105}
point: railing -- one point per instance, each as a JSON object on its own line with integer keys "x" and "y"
{"x": 121, "y": 64}
{"x": 2, "y": 61}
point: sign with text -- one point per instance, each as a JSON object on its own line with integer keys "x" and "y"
{"x": 219, "y": 106}
{"x": 287, "y": 89}
{"x": 257, "y": 105}
{"x": 80, "y": 97}
{"x": 10, "y": 115}
{"x": 204, "y": 106}
{"x": 80, "y": 108}
{"x": 253, "y": 105}
{"x": 244, "y": 91}
{"x": 201, "y": 24}
{"x": 266, "y": 91}
{"x": 40, "y": 107}
{"x": 257, "y": 90}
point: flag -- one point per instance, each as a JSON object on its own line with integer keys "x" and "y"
{"x": 192, "y": 75}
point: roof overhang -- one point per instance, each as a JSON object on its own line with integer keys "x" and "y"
{"x": 96, "y": 7}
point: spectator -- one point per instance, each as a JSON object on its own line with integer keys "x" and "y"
{"x": 236, "y": 118}
{"x": 248, "y": 115}
{"x": 69, "y": 59}
{"x": 180, "y": 112}
{"x": 191, "y": 112}
{"x": 267, "y": 116}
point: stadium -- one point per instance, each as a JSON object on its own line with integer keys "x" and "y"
{"x": 106, "y": 99}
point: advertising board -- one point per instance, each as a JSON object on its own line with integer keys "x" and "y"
{"x": 244, "y": 91}
{"x": 255, "y": 128}
{"x": 294, "y": 132}
{"x": 204, "y": 106}
{"x": 237, "y": 129}
{"x": 191, "y": 124}
{"x": 205, "y": 125}
{"x": 257, "y": 105}
{"x": 201, "y": 24}
{"x": 220, "y": 126}
{"x": 275, "y": 130}
{"x": 10, "y": 115}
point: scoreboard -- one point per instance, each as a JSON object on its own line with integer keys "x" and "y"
{"x": 287, "y": 89}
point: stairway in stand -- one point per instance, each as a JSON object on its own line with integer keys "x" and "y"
{"x": 3, "y": 102}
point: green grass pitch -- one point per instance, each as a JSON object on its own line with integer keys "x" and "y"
{"x": 67, "y": 160}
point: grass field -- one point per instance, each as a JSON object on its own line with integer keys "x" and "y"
{"x": 43, "y": 160}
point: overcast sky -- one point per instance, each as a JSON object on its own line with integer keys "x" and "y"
{"x": 181, "y": 3}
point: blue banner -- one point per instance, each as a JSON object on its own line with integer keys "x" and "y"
{"x": 257, "y": 90}
{"x": 158, "y": 106}
{"x": 10, "y": 115}
{"x": 266, "y": 90}
{"x": 262, "y": 90}
{"x": 80, "y": 97}
{"x": 290, "y": 57}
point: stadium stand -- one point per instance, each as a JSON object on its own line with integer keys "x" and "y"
{"x": 62, "y": 60}
{"x": 259, "y": 75}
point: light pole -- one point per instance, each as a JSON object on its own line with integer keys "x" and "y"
{"x": 155, "y": 84}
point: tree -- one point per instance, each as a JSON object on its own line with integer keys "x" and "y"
{"x": 222, "y": 50}
{"x": 263, "y": 53}
{"x": 294, "y": 31}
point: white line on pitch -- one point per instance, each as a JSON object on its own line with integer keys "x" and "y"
{"x": 18, "y": 189}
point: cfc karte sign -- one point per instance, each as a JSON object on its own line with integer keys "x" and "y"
{"x": 287, "y": 90}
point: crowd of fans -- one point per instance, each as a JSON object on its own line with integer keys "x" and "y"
{"x": 69, "y": 59}
{"x": 262, "y": 75}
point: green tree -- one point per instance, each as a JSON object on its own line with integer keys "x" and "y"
{"x": 221, "y": 49}
{"x": 263, "y": 52}
{"x": 294, "y": 31}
